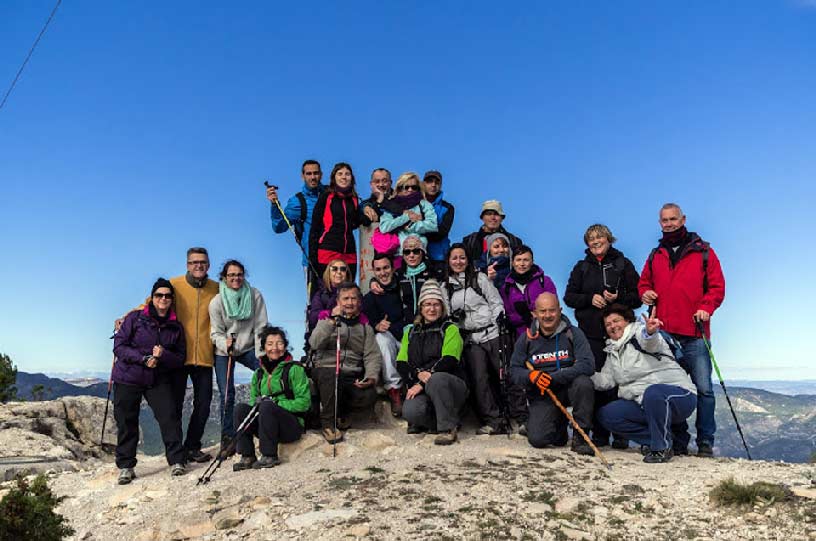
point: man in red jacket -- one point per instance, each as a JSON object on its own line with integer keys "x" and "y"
{"x": 682, "y": 277}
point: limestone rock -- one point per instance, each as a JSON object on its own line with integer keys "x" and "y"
{"x": 305, "y": 520}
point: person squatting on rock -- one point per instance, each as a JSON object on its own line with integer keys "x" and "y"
{"x": 438, "y": 242}
{"x": 360, "y": 361}
{"x": 521, "y": 289}
{"x": 385, "y": 313}
{"x": 325, "y": 296}
{"x": 604, "y": 276}
{"x": 475, "y": 307}
{"x": 563, "y": 363}
{"x": 428, "y": 362}
{"x": 150, "y": 352}
{"x": 372, "y": 207}
{"x": 280, "y": 389}
{"x": 237, "y": 316}
{"x": 336, "y": 215}
{"x": 299, "y": 209}
{"x": 492, "y": 216}
{"x": 656, "y": 394}
{"x": 682, "y": 277}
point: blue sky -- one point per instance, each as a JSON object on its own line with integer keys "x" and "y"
{"x": 138, "y": 130}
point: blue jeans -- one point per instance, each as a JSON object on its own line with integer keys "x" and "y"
{"x": 659, "y": 421}
{"x": 697, "y": 363}
{"x": 247, "y": 359}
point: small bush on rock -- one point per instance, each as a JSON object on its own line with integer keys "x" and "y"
{"x": 731, "y": 492}
{"x": 27, "y": 513}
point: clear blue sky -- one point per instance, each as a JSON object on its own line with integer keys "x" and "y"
{"x": 139, "y": 129}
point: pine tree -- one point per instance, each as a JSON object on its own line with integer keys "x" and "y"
{"x": 8, "y": 377}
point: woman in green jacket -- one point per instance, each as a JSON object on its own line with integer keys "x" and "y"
{"x": 280, "y": 389}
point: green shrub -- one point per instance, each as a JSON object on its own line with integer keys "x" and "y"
{"x": 731, "y": 492}
{"x": 27, "y": 513}
{"x": 8, "y": 377}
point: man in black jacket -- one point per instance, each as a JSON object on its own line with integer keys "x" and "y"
{"x": 385, "y": 313}
{"x": 492, "y": 217}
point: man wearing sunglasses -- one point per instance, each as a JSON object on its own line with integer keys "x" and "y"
{"x": 492, "y": 217}
{"x": 380, "y": 192}
{"x": 438, "y": 243}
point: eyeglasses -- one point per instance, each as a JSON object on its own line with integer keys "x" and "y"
{"x": 407, "y": 188}
{"x": 199, "y": 262}
{"x": 412, "y": 251}
{"x": 168, "y": 296}
{"x": 235, "y": 275}
{"x": 338, "y": 269}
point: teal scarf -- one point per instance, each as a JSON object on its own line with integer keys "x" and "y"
{"x": 410, "y": 272}
{"x": 237, "y": 304}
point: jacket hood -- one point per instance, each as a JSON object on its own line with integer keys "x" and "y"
{"x": 620, "y": 343}
{"x": 563, "y": 325}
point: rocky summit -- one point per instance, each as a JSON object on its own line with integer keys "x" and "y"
{"x": 386, "y": 484}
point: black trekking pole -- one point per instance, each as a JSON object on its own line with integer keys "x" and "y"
{"x": 504, "y": 387}
{"x": 220, "y": 457}
{"x": 336, "y": 387}
{"x": 722, "y": 384}
{"x": 107, "y": 403}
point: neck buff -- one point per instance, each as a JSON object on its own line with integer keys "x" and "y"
{"x": 413, "y": 271}
{"x": 196, "y": 283}
{"x": 344, "y": 192}
{"x": 155, "y": 314}
{"x": 408, "y": 201}
{"x": 237, "y": 304}
{"x": 674, "y": 238}
{"x": 523, "y": 278}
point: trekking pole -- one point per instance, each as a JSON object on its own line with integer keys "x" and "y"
{"x": 292, "y": 229}
{"x": 722, "y": 384}
{"x": 220, "y": 457}
{"x": 336, "y": 388}
{"x": 107, "y": 403}
{"x": 226, "y": 383}
{"x": 503, "y": 385}
{"x": 571, "y": 419}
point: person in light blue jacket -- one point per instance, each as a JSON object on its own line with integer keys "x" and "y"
{"x": 407, "y": 212}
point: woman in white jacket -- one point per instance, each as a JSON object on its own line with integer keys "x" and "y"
{"x": 475, "y": 306}
{"x": 656, "y": 395}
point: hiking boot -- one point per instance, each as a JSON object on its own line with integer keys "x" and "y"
{"x": 705, "y": 450}
{"x": 266, "y": 462}
{"x": 644, "y": 449}
{"x": 658, "y": 457}
{"x": 446, "y": 438}
{"x": 581, "y": 447}
{"x": 343, "y": 423}
{"x": 126, "y": 475}
{"x": 227, "y": 448}
{"x": 245, "y": 463}
{"x": 415, "y": 429}
{"x": 178, "y": 469}
{"x": 620, "y": 443}
{"x": 331, "y": 436}
{"x": 395, "y": 396}
{"x": 198, "y": 456}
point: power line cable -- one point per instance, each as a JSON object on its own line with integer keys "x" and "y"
{"x": 30, "y": 52}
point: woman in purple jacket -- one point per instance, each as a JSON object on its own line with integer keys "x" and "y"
{"x": 149, "y": 349}
{"x": 521, "y": 289}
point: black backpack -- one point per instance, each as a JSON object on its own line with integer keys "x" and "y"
{"x": 674, "y": 346}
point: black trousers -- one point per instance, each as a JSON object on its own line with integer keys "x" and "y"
{"x": 127, "y": 400}
{"x": 546, "y": 423}
{"x": 202, "y": 380}
{"x": 272, "y": 426}
{"x": 602, "y": 398}
{"x": 349, "y": 397}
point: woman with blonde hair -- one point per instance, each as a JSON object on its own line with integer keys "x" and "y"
{"x": 407, "y": 212}
{"x": 325, "y": 298}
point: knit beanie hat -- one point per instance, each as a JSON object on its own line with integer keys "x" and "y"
{"x": 414, "y": 239}
{"x": 432, "y": 290}
{"x": 162, "y": 282}
{"x": 491, "y": 238}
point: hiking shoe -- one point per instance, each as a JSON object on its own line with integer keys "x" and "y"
{"x": 177, "y": 469}
{"x": 266, "y": 462}
{"x": 620, "y": 443}
{"x": 705, "y": 450}
{"x": 490, "y": 430}
{"x": 581, "y": 447}
{"x": 343, "y": 423}
{"x": 227, "y": 448}
{"x": 446, "y": 438}
{"x": 658, "y": 457}
{"x": 198, "y": 456}
{"x": 126, "y": 475}
{"x": 415, "y": 429}
{"x": 395, "y": 397}
{"x": 331, "y": 436}
{"x": 245, "y": 463}
{"x": 644, "y": 449}
{"x": 522, "y": 429}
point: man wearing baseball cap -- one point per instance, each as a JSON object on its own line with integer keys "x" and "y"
{"x": 492, "y": 217}
{"x": 438, "y": 243}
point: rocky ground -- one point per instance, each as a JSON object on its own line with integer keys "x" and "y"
{"x": 385, "y": 484}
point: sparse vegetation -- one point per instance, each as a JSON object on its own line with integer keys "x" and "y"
{"x": 27, "y": 513}
{"x": 8, "y": 377}
{"x": 732, "y": 492}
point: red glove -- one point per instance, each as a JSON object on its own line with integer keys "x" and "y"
{"x": 540, "y": 379}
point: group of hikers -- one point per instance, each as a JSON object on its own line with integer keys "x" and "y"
{"x": 437, "y": 327}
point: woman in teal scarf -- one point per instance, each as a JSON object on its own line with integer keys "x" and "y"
{"x": 413, "y": 275}
{"x": 237, "y": 316}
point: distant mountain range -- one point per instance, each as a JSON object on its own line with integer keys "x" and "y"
{"x": 776, "y": 426}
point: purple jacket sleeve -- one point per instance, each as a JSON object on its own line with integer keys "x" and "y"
{"x": 122, "y": 347}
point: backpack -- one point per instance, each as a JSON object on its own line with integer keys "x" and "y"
{"x": 286, "y": 385}
{"x": 299, "y": 226}
{"x": 674, "y": 346}
{"x": 472, "y": 284}
{"x": 706, "y": 247}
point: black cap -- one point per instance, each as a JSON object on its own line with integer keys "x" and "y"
{"x": 432, "y": 174}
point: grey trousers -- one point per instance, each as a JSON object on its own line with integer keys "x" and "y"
{"x": 439, "y": 404}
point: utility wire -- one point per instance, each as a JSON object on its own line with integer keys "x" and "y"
{"x": 30, "y": 52}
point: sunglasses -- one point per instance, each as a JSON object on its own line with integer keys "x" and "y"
{"x": 202, "y": 263}
{"x": 412, "y": 251}
{"x": 338, "y": 269}
{"x": 168, "y": 296}
{"x": 408, "y": 188}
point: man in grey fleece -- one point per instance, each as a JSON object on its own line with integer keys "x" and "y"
{"x": 360, "y": 360}
{"x": 563, "y": 362}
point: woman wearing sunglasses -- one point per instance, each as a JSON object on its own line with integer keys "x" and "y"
{"x": 407, "y": 212}
{"x": 325, "y": 298}
{"x": 150, "y": 351}
{"x": 413, "y": 274}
